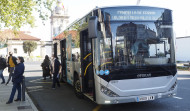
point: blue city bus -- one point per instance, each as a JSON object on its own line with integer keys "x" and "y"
{"x": 120, "y": 54}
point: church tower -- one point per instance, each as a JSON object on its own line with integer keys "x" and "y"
{"x": 59, "y": 19}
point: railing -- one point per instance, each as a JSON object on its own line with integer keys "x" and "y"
{"x": 23, "y": 89}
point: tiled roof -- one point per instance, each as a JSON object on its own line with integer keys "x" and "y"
{"x": 21, "y": 35}
{"x": 62, "y": 35}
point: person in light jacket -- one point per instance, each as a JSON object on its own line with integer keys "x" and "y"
{"x": 17, "y": 80}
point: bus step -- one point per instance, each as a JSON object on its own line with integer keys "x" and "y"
{"x": 89, "y": 95}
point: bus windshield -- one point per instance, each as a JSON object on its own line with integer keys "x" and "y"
{"x": 137, "y": 43}
{"x": 131, "y": 45}
{"x": 134, "y": 41}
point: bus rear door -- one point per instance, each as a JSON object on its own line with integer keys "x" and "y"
{"x": 63, "y": 59}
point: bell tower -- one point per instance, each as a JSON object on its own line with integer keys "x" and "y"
{"x": 59, "y": 19}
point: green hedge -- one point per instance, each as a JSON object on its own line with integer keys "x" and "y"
{"x": 182, "y": 68}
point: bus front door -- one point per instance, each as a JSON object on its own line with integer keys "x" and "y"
{"x": 87, "y": 64}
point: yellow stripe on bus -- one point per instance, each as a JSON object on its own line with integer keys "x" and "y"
{"x": 87, "y": 68}
{"x": 106, "y": 63}
{"x": 107, "y": 52}
{"x": 87, "y": 55}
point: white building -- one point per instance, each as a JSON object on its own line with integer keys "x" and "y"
{"x": 15, "y": 44}
{"x": 59, "y": 19}
{"x": 183, "y": 48}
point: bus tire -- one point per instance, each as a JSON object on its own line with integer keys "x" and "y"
{"x": 77, "y": 88}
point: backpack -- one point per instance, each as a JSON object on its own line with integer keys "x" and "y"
{"x": 4, "y": 64}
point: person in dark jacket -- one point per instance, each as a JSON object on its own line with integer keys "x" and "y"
{"x": 3, "y": 65}
{"x": 56, "y": 70}
{"x": 11, "y": 65}
{"x": 46, "y": 65}
{"x": 17, "y": 80}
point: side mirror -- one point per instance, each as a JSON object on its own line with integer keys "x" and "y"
{"x": 92, "y": 27}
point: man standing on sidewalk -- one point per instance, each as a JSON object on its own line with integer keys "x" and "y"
{"x": 11, "y": 65}
{"x": 2, "y": 67}
{"x": 56, "y": 68}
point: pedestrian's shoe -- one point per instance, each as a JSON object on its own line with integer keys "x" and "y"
{"x": 6, "y": 83}
{"x": 9, "y": 102}
{"x": 2, "y": 82}
{"x": 17, "y": 100}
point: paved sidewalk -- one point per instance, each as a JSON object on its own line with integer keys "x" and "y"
{"x": 5, "y": 91}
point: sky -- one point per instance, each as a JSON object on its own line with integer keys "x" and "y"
{"x": 79, "y": 8}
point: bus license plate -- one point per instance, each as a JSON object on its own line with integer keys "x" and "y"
{"x": 145, "y": 98}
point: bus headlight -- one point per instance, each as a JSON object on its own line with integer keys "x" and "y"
{"x": 173, "y": 86}
{"x": 108, "y": 92}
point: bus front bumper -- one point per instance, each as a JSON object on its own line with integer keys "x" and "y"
{"x": 140, "y": 98}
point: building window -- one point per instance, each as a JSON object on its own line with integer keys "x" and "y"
{"x": 15, "y": 50}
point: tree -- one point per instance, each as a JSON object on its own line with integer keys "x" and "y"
{"x": 16, "y": 13}
{"x": 29, "y": 46}
{"x": 78, "y": 27}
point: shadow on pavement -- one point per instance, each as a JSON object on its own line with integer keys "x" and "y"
{"x": 60, "y": 99}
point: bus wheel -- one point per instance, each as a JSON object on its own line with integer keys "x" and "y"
{"x": 77, "y": 89}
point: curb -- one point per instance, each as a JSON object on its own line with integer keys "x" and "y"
{"x": 31, "y": 102}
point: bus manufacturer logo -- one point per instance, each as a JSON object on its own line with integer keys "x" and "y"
{"x": 143, "y": 75}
